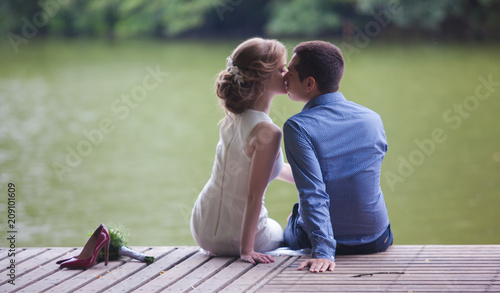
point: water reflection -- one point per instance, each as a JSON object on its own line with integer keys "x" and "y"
{"x": 145, "y": 172}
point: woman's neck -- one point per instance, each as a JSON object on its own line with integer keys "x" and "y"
{"x": 262, "y": 104}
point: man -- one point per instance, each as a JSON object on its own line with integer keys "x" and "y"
{"x": 335, "y": 148}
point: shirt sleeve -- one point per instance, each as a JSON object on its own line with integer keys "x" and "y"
{"x": 314, "y": 201}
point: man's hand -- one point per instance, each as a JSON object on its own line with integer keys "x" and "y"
{"x": 318, "y": 265}
{"x": 255, "y": 257}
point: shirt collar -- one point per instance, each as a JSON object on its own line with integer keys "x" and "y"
{"x": 324, "y": 99}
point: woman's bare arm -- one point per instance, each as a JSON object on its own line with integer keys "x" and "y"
{"x": 286, "y": 174}
{"x": 263, "y": 144}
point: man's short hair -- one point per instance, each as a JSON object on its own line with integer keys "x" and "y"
{"x": 321, "y": 60}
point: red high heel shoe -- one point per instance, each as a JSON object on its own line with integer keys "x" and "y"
{"x": 88, "y": 256}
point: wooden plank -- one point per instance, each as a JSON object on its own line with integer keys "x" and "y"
{"x": 169, "y": 276}
{"x": 439, "y": 268}
{"x": 62, "y": 275}
{"x": 201, "y": 274}
{"x": 352, "y": 274}
{"x": 153, "y": 270}
{"x": 47, "y": 282}
{"x": 437, "y": 255}
{"x": 429, "y": 268}
{"x": 22, "y": 254}
{"x": 35, "y": 268}
{"x": 83, "y": 277}
{"x": 253, "y": 276}
{"x": 57, "y": 276}
{"x": 264, "y": 281}
{"x": 122, "y": 272}
{"x": 382, "y": 281}
{"x": 89, "y": 275}
{"x": 364, "y": 288}
{"x": 225, "y": 276}
{"x": 18, "y": 252}
{"x": 4, "y": 253}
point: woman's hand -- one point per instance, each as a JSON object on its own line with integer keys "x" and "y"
{"x": 256, "y": 257}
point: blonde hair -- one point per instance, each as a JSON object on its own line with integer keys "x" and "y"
{"x": 256, "y": 59}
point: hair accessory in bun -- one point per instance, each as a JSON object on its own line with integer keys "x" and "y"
{"x": 233, "y": 69}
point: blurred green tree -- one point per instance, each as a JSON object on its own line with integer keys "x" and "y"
{"x": 460, "y": 18}
{"x": 160, "y": 18}
{"x": 238, "y": 18}
{"x": 457, "y": 18}
{"x": 302, "y": 18}
{"x": 149, "y": 17}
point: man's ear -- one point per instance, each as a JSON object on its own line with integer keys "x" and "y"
{"x": 310, "y": 83}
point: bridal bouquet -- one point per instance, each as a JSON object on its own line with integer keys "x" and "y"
{"x": 118, "y": 247}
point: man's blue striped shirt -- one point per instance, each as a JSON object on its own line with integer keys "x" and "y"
{"x": 335, "y": 148}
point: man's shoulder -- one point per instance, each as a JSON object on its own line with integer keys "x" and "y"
{"x": 296, "y": 117}
{"x": 338, "y": 111}
{"x": 299, "y": 120}
{"x": 358, "y": 108}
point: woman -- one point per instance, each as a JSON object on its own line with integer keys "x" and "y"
{"x": 229, "y": 217}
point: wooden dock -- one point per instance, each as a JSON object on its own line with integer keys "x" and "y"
{"x": 403, "y": 268}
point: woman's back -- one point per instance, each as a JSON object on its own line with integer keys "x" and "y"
{"x": 218, "y": 212}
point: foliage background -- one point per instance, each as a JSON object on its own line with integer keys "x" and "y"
{"x": 453, "y": 19}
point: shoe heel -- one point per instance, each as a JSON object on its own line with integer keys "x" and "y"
{"x": 107, "y": 253}
{"x": 87, "y": 258}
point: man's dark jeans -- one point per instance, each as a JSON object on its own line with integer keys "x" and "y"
{"x": 296, "y": 238}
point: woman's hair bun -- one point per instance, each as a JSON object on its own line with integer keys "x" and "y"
{"x": 247, "y": 69}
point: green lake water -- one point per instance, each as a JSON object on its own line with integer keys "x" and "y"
{"x": 125, "y": 133}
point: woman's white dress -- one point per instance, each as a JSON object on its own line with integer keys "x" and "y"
{"x": 217, "y": 215}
